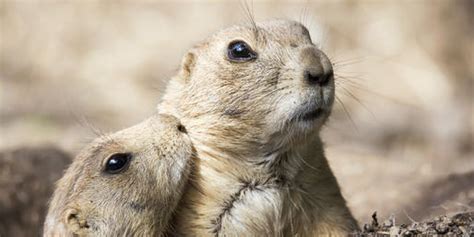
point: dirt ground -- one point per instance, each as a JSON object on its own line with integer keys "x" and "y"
{"x": 26, "y": 182}
{"x": 400, "y": 139}
{"x": 460, "y": 224}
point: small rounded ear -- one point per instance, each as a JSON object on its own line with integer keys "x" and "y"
{"x": 74, "y": 221}
{"x": 187, "y": 65}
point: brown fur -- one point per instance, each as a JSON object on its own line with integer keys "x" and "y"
{"x": 261, "y": 169}
{"x": 138, "y": 201}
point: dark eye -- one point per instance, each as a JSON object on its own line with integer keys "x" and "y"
{"x": 117, "y": 162}
{"x": 239, "y": 51}
{"x": 181, "y": 128}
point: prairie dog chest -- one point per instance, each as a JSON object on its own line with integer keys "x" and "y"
{"x": 231, "y": 198}
{"x": 260, "y": 207}
{"x": 254, "y": 208}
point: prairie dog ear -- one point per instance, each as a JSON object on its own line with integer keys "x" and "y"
{"x": 187, "y": 65}
{"x": 75, "y": 222}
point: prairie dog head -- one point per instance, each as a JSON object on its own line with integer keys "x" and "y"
{"x": 253, "y": 88}
{"x": 126, "y": 183}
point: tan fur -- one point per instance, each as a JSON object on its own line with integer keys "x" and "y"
{"x": 138, "y": 201}
{"x": 261, "y": 169}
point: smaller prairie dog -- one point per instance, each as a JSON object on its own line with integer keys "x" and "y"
{"x": 124, "y": 184}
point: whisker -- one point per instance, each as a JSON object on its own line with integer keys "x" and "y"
{"x": 350, "y": 75}
{"x": 303, "y": 13}
{"x": 354, "y": 85}
{"x": 348, "y": 92}
{"x": 249, "y": 13}
{"x": 85, "y": 123}
{"x": 347, "y": 62}
{"x": 347, "y": 113}
{"x": 352, "y": 81}
{"x": 338, "y": 66}
{"x": 339, "y": 59}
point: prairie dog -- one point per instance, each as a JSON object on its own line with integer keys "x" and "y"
{"x": 254, "y": 98}
{"x": 124, "y": 184}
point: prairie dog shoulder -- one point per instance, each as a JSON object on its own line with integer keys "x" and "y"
{"x": 126, "y": 183}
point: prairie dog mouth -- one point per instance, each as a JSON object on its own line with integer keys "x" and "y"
{"x": 314, "y": 114}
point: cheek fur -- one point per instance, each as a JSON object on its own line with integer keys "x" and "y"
{"x": 282, "y": 110}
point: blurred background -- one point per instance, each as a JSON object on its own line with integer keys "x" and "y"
{"x": 400, "y": 139}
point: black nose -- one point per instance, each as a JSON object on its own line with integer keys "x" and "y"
{"x": 318, "y": 78}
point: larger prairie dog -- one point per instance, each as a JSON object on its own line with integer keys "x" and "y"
{"x": 123, "y": 184}
{"x": 254, "y": 98}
